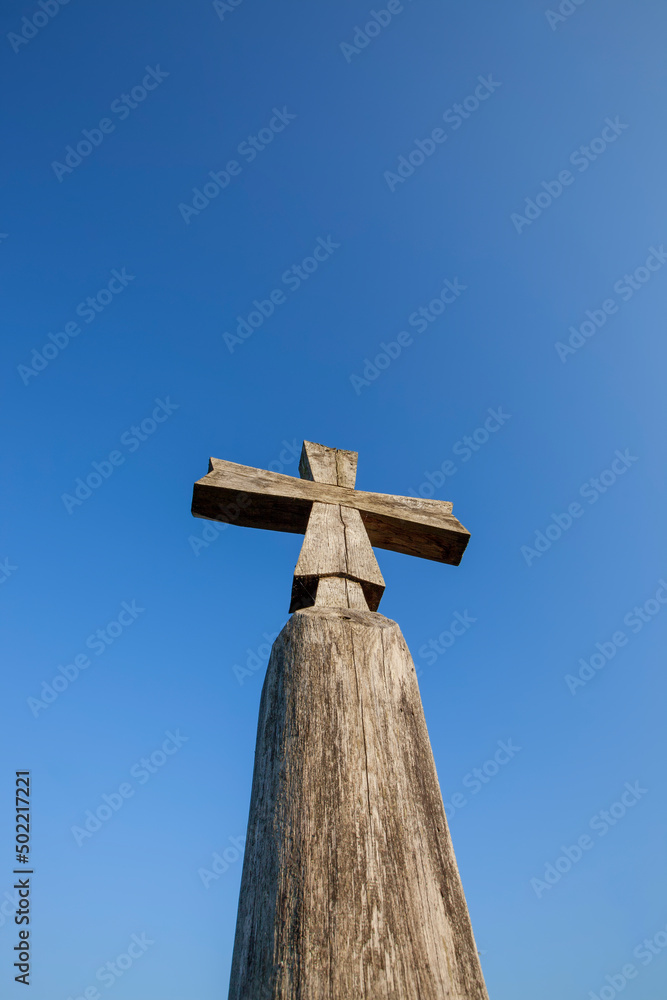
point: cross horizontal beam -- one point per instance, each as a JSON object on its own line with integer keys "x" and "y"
{"x": 253, "y": 498}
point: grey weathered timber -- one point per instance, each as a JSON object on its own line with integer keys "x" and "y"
{"x": 350, "y": 889}
{"x": 254, "y": 498}
{"x": 336, "y": 545}
{"x": 339, "y": 592}
{"x": 321, "y": 464}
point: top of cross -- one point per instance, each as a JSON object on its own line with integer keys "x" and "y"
{"x": 336, "y": 565}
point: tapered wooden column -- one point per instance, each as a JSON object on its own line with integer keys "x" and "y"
{"x": 350, "y": 888}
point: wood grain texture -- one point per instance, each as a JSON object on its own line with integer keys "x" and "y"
{"x": 336, "y": 544}
{"x": 254, "y": 498}
{"x": 350, "y": 888}
{"x": 328, "y": 465}
{"x": 338, "y": 592}
{"x": 346, "y": 468}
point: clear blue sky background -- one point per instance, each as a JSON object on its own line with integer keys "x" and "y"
{"x": 161, "y": 336}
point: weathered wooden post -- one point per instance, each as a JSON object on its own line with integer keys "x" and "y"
{"x": 350, "y": 887}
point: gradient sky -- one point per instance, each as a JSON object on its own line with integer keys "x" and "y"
{"x": 346, "y": 124}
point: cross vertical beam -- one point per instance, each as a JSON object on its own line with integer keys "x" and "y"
{"x": 337, "y": 566}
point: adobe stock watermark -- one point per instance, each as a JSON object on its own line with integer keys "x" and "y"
{"x": 31, "y": 26}
{"x": 121, "y": 107}
{"x": 454, "y": 117}
{"x": 474, "y": 781}
{"x": 131, "y": 439}
{"x": 98, "y": 642}
{"x": 635, "y": 620}
{"x": 249, "y": 150}
{"x": 646, "y": 952}
{"x": 431, "y": 650}
{"x": 111, "y": 972}
{"x": 114, "y": 801}
{"x": 213, "y": 529}
{"x": 222, "y": 7}
{"x": 465, "y": 448}
{"x": 581, "y": 158}
{"x": 7, "y": 569}
{"x": 88, "y": 310}
{"x": 625, "y": 287}
{"x": 378, "y": 20}
{"x": 591, "y": 491}
{"x": 256, "y": 659}
{"x": 565, "y": 10}
{"x": 601, "y": 823}
{"x": 418, "y": 320}
{"x": 292, "y": 278}
{"x": 9, "y": 905}
{"x": 221, "y": 863}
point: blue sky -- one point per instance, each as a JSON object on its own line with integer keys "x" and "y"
{"x": 542, "y": 202}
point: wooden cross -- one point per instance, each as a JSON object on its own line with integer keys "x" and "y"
{"x": 336, "y": 566}
{"x": 350, "y": 886}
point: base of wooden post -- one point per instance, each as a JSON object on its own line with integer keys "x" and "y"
{"x": 350, "y": 888}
